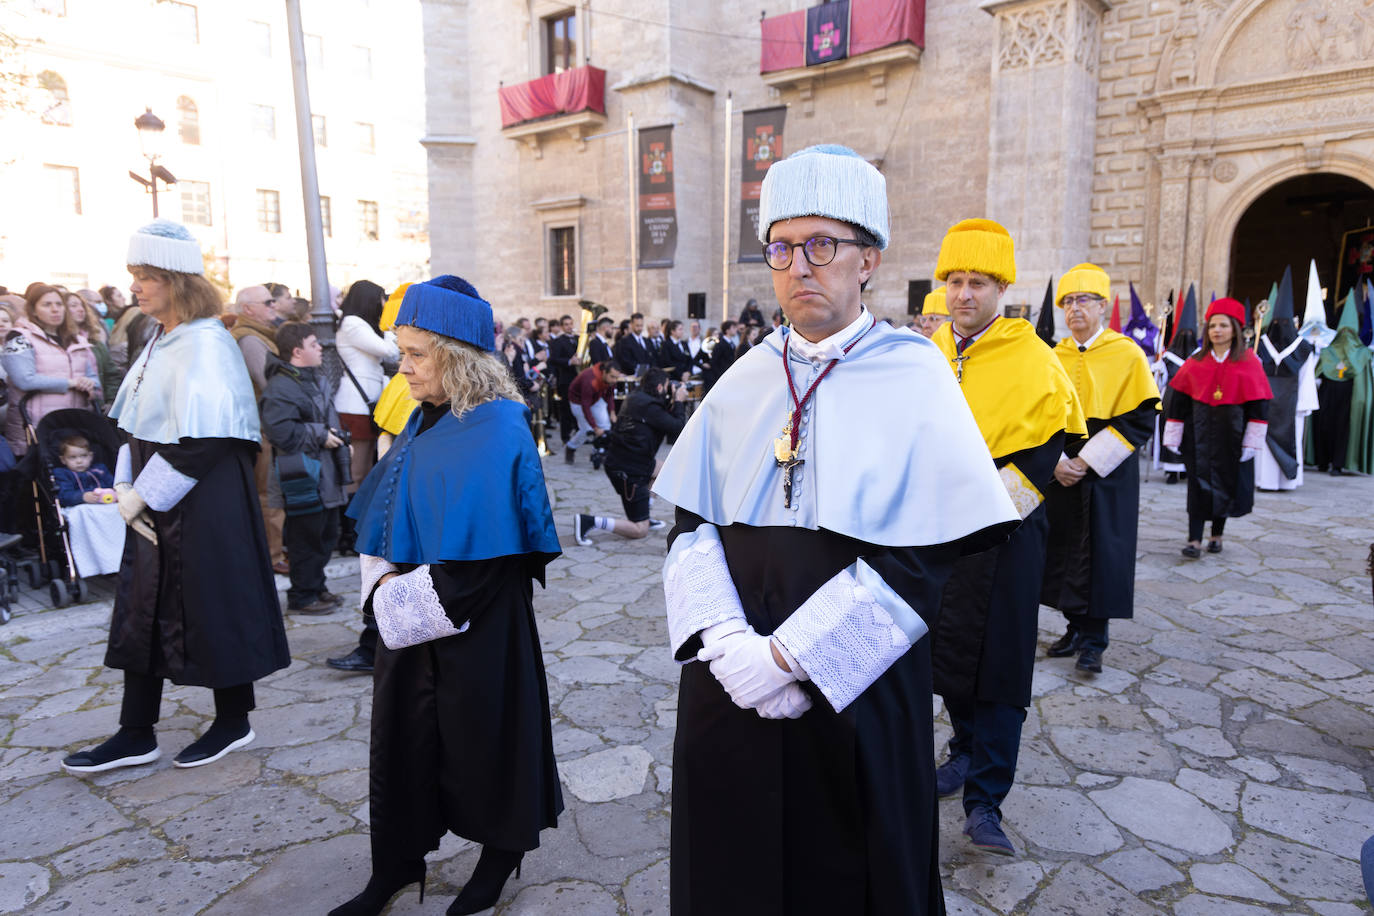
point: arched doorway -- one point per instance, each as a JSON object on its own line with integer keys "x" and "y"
{"x": 1294, "y": 222}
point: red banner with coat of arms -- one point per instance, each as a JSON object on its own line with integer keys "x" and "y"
{"x": 762, "y": 147}
{"x": 657, "y": 203}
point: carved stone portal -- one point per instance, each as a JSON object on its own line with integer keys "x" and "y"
{"x": 1037, "y": 34}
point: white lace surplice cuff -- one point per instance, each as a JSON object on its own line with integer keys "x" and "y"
{"x": 1173, "y": 434}
{"x": 1105, "y": 451}
{"x": 1024, "y": 495}
{"x": 1256, "y": 431}
{"x": 849, "y": 632}
{"x": 124, "y": 466}
{"x": 697, "y": 587}
{"x": 161, "y": 485}
{"x": 372, "y": 569}
{"x": 409, "y": 612}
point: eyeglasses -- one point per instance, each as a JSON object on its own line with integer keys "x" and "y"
{"x": 1082, "y": 299}
{"x": 818, "y": 251}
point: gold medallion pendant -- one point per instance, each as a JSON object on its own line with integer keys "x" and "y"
{"x": 1216, "y": 395}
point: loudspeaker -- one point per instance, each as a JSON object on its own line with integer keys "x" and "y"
{"x": 916, "y": 292}
{"x": 696, "y": 305}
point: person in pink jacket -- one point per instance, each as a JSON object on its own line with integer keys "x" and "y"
{"x": 47, "y": 357}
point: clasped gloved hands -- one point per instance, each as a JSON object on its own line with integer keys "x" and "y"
{"x": 134, "y": 511}
{"x": 742, "y": 661}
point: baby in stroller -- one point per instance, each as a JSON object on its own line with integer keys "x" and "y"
{"x": 81, "y": 479}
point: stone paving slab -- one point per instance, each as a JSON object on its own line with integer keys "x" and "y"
{"x": 1220, "y": 764}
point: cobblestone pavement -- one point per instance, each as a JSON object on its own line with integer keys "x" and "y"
{"x": 1220, "y": 764}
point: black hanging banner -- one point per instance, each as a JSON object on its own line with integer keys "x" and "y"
{"x": 827, "y": 33}
{"x": 657, "y": 204}
{"x": 762, "y": 147}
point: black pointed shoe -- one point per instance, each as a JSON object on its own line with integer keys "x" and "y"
{"x": 1090, "y": 661}
{"x": 384, "y": 884}
{"x": 1064, "y": 646}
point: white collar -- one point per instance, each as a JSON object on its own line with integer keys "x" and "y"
{"x": 1222, "y": 358}
{"x": 1090, "y": 341}
{"x": 831, "y": 347}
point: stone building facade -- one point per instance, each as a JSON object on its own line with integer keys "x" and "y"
{"x": 1146, "y": 135}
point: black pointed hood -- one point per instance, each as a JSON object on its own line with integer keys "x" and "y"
{"x": 1044, "y": 325}
{"x": 1281, "y": 328}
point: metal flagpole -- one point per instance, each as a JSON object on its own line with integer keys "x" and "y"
{"x": 322, "y": 310}
{"x": 725, "y": 235}
{"x": 632, "y": 175}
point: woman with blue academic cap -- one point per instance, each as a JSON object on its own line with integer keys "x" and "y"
{"x": 453, "y": 528}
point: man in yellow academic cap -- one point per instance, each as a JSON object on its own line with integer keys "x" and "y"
{"x": 934, "y": 312}
{"x": 1094, "y": 501}
{"x": 1028, "y": 414}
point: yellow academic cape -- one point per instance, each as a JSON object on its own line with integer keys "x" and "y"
{"x": 395, "y": 405}
{"x": 1111, "y": 377}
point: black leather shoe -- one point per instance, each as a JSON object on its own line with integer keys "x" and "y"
{"x": 358, "y": 661}
{"x": 1191, "y": 552}
{"x": 1090, "y": 660}
{"x": 327, "y": 595}
{"x": 1064, "y": 646}
{"x": 1214, "y": 546}
{"x": 318, "y": 606}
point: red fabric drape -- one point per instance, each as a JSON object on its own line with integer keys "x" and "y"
{"x": 579, "y": 89}
{"x": 873, "y": 24}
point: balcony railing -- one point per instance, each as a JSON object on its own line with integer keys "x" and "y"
{"x": 873, "y": 25}
{"x": 581, "y": 89}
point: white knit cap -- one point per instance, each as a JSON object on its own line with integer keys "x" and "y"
{"x": 168, "y": 245}
{"x": 827, "y": 180}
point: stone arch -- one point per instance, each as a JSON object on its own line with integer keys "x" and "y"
{"x": 1222, "y": 224}
{"x": 1214, "y": 44}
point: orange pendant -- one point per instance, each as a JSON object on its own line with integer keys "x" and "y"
{"x": 1216, "y": 395}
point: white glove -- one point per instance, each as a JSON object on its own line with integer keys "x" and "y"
{"x": 1173, "y": 434}
{"x": 1248, "y": 454}
{"x": 743, "y": 663}
{"x": 788, "y": 703}
{"x": 130, "y": 504}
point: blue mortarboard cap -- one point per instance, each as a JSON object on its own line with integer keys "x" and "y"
{"x": 450, "y": 306}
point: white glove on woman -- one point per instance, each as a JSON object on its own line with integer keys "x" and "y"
{"x": 788, "y": 703}
{"x": 743, "y": 663}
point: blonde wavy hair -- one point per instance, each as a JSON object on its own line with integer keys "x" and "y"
{"x": 470, "y": 376}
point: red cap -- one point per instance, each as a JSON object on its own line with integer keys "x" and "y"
{"x": 1227, "y": 307}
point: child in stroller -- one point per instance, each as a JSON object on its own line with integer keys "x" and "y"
{"x": 81, "y": 479}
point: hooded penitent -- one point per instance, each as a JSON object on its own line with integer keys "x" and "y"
{"x": 1140, "y": 328}
{"x": 1314, "y": 327}
{"x": 1343, "y": 434}
{"x": 1044, "y": 325}
{"x": 1284, "y": 357}
{"x": 1182, "y": 343}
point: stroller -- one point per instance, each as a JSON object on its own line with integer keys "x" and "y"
{"x": 54, "y": 563}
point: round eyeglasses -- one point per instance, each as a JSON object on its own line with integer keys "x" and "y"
{"x": 818, "y": 251}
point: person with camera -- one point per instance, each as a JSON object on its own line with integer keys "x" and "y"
{"x": 653, "y": 411}
{"x": 592, "y": 394}
{"x": 312, "y": 463}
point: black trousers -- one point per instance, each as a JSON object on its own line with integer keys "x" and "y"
{"x": 567, "y": 423}
{"x": 1092, "y": 632}
{"x": 143, "y": 697}
{"x": 310, "y": 540}
{"x": 1196, "y": 522}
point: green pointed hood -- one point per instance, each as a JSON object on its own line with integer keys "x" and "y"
{"x": 1346, "y": 356}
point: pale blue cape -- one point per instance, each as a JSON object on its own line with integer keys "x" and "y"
{"x": 892, "y": 454}
{"x": 194, "y": 385}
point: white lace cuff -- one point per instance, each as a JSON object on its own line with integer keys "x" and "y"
{"x": 1173, "y": 434}
{"x": 372, "y": 569}
{"x": 409, "y": 612}
{"x": 1024, "y": 495}
{"x": 1105, "y": 451}
{"x": 1255, "y": 433}
{"x": 697, "y": 587}
{"x": 124, "y": 466}
{"x": 849, "y": 632}
{"x": 161, "y": 485}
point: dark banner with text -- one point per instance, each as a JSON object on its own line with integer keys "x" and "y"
{"x": 762, "y": 147}
{"x": 657, "y": 205}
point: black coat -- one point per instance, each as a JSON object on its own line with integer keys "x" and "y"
{"x": 598, "y": 350}
{"x": 984, "y": 642}
{"x": 722, "y": 358}
{"x": 562, "y": 352}
{"x": 630, "y": 354}
{"x": 675, "y": 357}
{"x": 826, "y": 814}
{"x": 639, "y": 429}
{"x": 200, "y": 607}
{"x": 1220, "y": 485}
{"x": 297, "y": 416}
{"x": 1090, "y": 558}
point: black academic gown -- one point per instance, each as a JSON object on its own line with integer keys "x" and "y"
{"x": 1166, "y": 454}
{"x": 461, "y": 738}
{"x": 828, "y": 813}
{"x": 1090, "y": 555}
{"x": 984, "y": 642}
{"x": 200, "y": 607}
{"x": 1331, "y": 423}
{"x": 1220, "y": 485}
{"x": 1285, "y": 376}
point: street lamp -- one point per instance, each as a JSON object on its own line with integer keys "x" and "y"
{"x": 150, "y": 128}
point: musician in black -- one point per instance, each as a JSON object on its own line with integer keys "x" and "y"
{"x": 599, "y": 348}
{"x": 675, "y": 357}
{"x": 563, "y": 365}
{"x": 653, "y": 411}
{"x": 632, "y": 350}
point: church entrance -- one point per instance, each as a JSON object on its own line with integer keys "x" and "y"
{"x": 1294, "y": 222}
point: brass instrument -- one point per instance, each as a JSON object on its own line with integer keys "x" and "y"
{"x": 591, "y": 311}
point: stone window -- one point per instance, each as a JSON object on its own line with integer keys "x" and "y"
{"x": 269, "y": 210}
{"x": 195, "y": 202}
{"x": 563, "y": 261}
{"x": 368, "y": 223}
{"x": 182, "y": 20}
{"x": 57, "y": 107}
{"x": 65, "y": 182}
{"x": 265, "y": 121}
{"x": 560, "y": 42}
{"x": 367, "y": 137}
{"x": 188, "y": 121}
